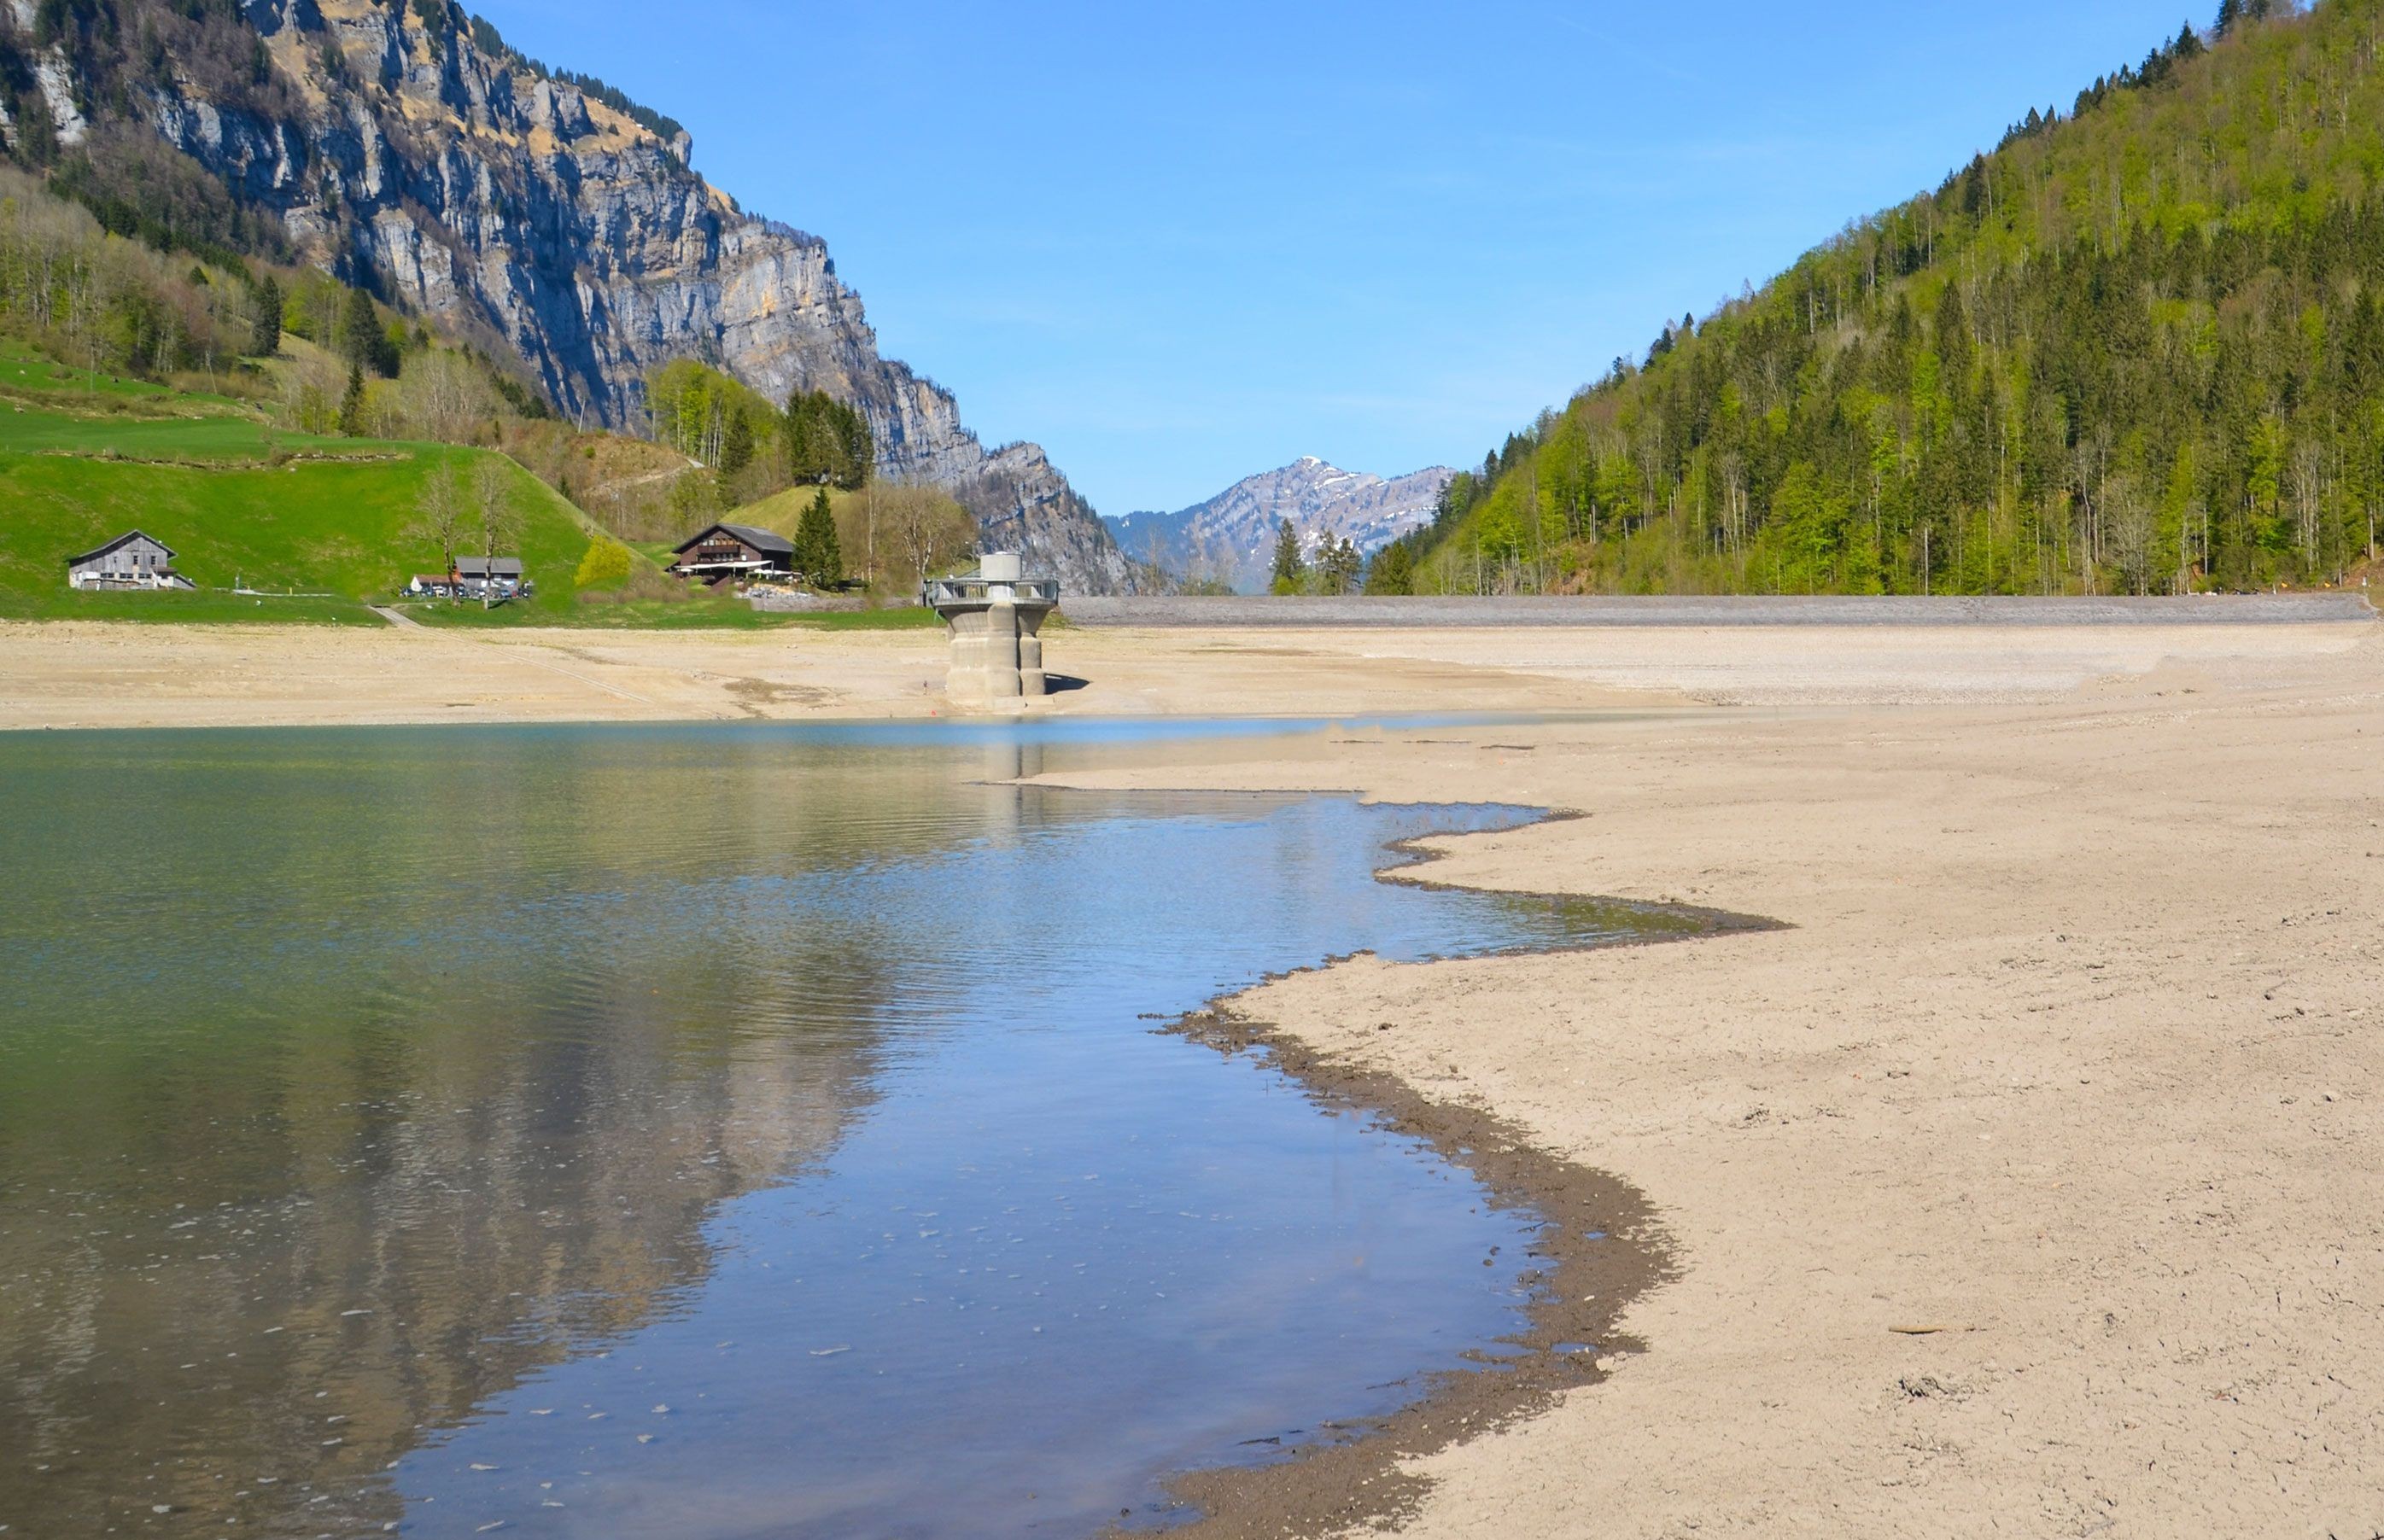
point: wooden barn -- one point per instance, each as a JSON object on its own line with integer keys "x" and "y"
{"x": 130, "y": 561}
{"x": 726, "y": 551}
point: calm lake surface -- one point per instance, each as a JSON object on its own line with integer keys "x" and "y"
{"x": 751, "y": 1131}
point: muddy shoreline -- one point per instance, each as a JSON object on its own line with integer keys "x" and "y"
{"x": 1602, "y": 1244}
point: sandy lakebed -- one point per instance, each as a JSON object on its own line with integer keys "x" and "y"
{"x": 2027, "y": 1177}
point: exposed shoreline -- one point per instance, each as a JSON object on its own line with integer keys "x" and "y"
{"x": 2033, "y": 1181}
{"x": 87, "y": 673}
{"x": 2030, "y": 1182}
{"x": 1602, "y": 1246}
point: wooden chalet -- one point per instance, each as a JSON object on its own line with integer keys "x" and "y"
{"x": 130, "y": 561}
{"x": 729, "y": 552}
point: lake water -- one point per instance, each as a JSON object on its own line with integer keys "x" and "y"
{"x": 688, "y": 1132}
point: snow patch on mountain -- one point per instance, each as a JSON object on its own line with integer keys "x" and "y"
{"x": 1231, "y": 537}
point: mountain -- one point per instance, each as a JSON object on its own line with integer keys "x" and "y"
{"x": 407, "y": 149}
{"x": 2139, "y": 347}
{"x": 1231, "y": 537}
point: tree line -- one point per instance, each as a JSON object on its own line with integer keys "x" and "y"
{"x": 751, "y": 447}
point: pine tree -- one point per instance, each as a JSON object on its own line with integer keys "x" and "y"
{"x": 361, "y": 339}
{"x": 358, "y": 328}
{"x": 2229, "y": 13}
{"x": 1391, "y": 571}
{"x": 818, "y": 555}
{"x": 265, "y": 327}
{"x": 351, "y": 404}
{"x": 1290, "y": 568}
{"x": 736, "y": 443}
{"x": 1337, "y": 566}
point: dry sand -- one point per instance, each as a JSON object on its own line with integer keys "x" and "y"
{"x": 86, "y": 675}
{"x": 2071, "y": 1056}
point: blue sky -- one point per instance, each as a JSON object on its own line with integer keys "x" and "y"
{"x": 1179, "y": 243}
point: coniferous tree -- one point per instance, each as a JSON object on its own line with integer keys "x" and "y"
{"x": 1392, "y": 570}
{"x": 1290, "y": 568}
{"x": 736, "y": 443}
{"x": 827, "y": 442}
{"x": 1337, "y": 566}
{"x": 351, "y": 404}
{"x": 264, "y": 332}
{"x": 818, "y": 555}
{"x": 360, "y": 337}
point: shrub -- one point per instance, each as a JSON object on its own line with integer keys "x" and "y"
{"x": 607, "y": 565}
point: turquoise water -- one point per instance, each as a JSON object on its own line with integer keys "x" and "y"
{"x": 689, "y": 1132}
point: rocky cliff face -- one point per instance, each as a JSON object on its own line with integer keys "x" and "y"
{"x": 1231, "y": 537}
{"x": 397, "y": 150}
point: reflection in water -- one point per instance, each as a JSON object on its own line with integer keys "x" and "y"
{"x": 681, "y": 1132}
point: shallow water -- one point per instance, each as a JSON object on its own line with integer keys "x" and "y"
{"x": 688, "y": 1132}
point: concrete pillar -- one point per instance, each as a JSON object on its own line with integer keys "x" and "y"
{"x": 1002, "y": 681}
{"x": 1030, "y": 681}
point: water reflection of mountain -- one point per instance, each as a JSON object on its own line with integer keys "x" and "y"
{"x": 348, "y": 1099}
{"x": 298, "y": 1273}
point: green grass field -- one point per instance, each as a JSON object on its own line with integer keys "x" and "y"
{"x": 342, "y": 527}
{"x": 324, "y": 526}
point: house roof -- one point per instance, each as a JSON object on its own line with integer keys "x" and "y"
{"x": 118, "y": 543}
{"x": 487, "y": 566}
{"x": 760, "y": 539}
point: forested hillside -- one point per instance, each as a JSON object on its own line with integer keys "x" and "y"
{"x": 2138, "y": 348}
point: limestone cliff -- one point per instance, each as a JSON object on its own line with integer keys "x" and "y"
{"x": 408, "y": 151}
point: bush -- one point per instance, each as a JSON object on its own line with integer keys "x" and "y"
{"x": 607, "y": 565}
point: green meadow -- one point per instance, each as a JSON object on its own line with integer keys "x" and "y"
{"x": 314, "y": 528}
{"x": 332, "y": 520}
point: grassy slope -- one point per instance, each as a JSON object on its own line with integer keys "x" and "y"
{"x": 339, "y": 527}
{"x": 85, "y": 457}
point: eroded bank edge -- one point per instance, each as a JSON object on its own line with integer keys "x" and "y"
{"x": 1602, "y": 1244}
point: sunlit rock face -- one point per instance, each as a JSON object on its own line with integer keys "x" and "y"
{"x": 540, "y": 221}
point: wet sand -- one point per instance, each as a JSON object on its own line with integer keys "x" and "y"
{"x": 2032, "y": 1181}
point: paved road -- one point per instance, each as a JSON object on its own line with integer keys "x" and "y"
{"x": 1281, "y": 614}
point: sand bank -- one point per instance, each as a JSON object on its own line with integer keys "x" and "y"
{"x": 2033, "y": 1183}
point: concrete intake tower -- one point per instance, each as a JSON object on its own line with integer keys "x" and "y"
{"x": 996, "y": 618}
